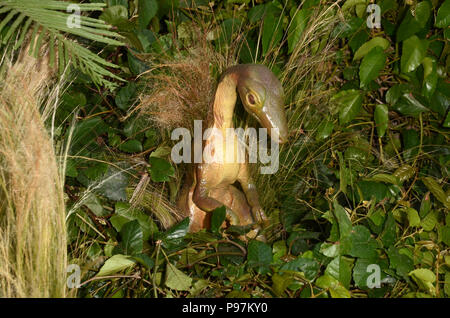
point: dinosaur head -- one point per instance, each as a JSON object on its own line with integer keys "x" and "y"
{"x": 262, "y": 96}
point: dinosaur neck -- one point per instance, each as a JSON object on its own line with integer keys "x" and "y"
{"x": 225, "y": 101}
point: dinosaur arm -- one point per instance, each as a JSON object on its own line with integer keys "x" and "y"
{"x": 206, "y": 203}
{"x": 251, "y": 193}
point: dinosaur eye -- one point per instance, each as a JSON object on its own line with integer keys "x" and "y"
{"x": 251, "y": 99}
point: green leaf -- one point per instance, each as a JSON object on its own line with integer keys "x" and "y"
{"x": 256, "y": 13}
{"x": 272, "y": 30}
{"x": 259, "y": 256}
{"x": 413, "y": 52}
{"x": 372, "y": 190}
{"x": 176, "y": 279}
{"x": 116, "y": 15}
{"x": 115, "y": 264}
{"x": 437, "y": 191}
{"x": 408, "y": 105}
{"x": 324, "y": 130}
{"x": 125, "y": 96}
{"x": 381, "y": 119}
{"x": 369, "y": 45}
{"x": 147, "y": 10}
{"x": 175, "y": 235}
{"x": 340, "y": 268}
{"x": 424, "y": 278}
{"x": 413, "y": 23}
{"x": 349, "y": 103}
{"x": 113, "y": 184}
{"x": 124, "y": 213}
{"x": 404, "y": 173}
{"x": 443, "y": 15}
{"x": 383, "y": 177}
{"x": 413, "y": 217}
{"x": 145, "y": 260}
{"x": 160, "y": 169}
{"x": 430, "y": 77}
{"x": 333, "y": 285}
{"x": 389, "y": 234}
{"x": 132, "y": 238}
{"x": 299, "y": 21}
{"x": 345, "y": 225}
{"x": 131, "y": 146}
{"x": 400, "y": 262}
{"x": 429, "y": 221}
{"x": 359, "y": 243}
{"x": 307, "y": 266}
{"x": 371, "y": 65}
{"x": 217, "y": 219}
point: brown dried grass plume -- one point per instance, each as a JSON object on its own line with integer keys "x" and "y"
{"x": 181, "y": 88}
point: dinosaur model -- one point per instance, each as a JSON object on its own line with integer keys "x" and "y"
{"x": 210, "y": 184}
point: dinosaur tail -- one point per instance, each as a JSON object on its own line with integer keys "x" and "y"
{"x": 33, "y": 251}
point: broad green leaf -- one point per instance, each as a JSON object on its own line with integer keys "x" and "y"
{"x": 408, "y": 105}
{"x": 132, "y": 238}
{"x": 256, "y": 13}
{"x": 413, "y": 217}
{"x": 411, "y": 142}
{"x": 430, "y": 77}
{"x": 383, "y": 177}
{"x": 414, "y": 22}
{"x": 160, "y": 169}
{"x": 116, "y": 15}
{"x": 400, "y": 262}
{"x": 299, "y": 21}
{"x": 114, "y": 183}
{"x": 349, "y": 103}
{"x": 124, "y": 97}
{"x": 324, "y": 130}
{"x": 404, "y": 173}
{"x": 369, "y": 45}
{"x": 437, "y": 191}
{"x": 309, "y": 267}
{"x": 272, "y": 31}
{"x": 345, "y": 225}
{"x": 371, "y": 65}
{"x": 429, "y": 221}
{"x": 176, "y": 279}
{"x": 93, "y": 203}
{"x": 443, "y": 15}
{"x": 333, "y": 285}
{"x": 340, "y": 268}
{"x": 145, "y": 260}
{"x": 372, "y": 190}
{"x": 175, "y": 234}
{"x": 147, "y": 10}
{"x": 124, "y": 213}
{"x": 424, "y": 278}
{"x": 359, "y": 243}
{"x": 131, "y": 146}
{"x": 389, "y": 234}
{"x": 217, "y": 218}
{"x": 115, "y": 264}
{"x": 329, "y": 249}
{"x": 413, "y": 52}
{"x": 381, "y": 119}
{"x": 259, "y": 256}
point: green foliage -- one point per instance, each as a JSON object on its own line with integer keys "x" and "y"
{"x": 365, "y": 182}
{"x": 50, "y": 22}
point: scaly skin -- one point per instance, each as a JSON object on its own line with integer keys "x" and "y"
{"x": 211, "y": 184}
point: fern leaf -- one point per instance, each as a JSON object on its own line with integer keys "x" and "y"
{"x": 49, "y": 22}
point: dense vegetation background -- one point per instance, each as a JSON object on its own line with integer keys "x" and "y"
{"x": 363, "y": 181}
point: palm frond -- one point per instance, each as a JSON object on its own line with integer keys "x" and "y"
{"x": 49, "y": 20}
